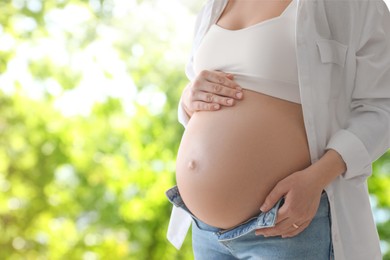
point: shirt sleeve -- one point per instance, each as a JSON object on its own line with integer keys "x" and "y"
{"x": 367, "y": 133}
{"x": 182, "y": 115}
{"x": 183, "y": 118}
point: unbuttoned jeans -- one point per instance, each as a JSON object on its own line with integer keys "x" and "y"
{"x": 240, "y": 242}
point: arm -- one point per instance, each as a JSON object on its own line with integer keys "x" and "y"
{"x": 367, "y": 134}
{"x": 350, "y": 151}
{"x": 183, "y": 116}
{"x": 210, "y": 89}
{"x": 302, "y": 191}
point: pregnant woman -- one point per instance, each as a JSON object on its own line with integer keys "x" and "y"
{"x": 284, "y": 114}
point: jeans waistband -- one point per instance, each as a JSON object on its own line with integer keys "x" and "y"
{"x": 263, "y": 220}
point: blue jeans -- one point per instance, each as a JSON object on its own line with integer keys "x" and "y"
{"x": 240, "y": 242}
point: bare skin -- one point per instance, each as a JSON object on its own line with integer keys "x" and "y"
{"x": 240, "y": 14}
{"x": 217, "y": 182}
{"x": 229, "y": 160}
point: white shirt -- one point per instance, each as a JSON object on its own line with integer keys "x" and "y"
{"x": 343, "y": 56}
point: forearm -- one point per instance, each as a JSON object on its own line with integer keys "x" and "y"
{"x": 327, "y": 168}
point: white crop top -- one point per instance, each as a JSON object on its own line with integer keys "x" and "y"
{"x": 262, "y": 57}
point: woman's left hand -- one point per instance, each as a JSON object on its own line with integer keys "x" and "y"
{"x": 302, "y": 197}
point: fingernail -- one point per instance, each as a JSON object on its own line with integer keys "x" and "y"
{"x": 229, "y": 75}
{"x": 230, "y": 101}
{"x": 239, "y": 94}
{"x": 238, "y": 87}
{"x": 216, "y": 106}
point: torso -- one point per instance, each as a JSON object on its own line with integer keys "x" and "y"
{"x": 229, "y": 160}
{"x": 239, "y": 14}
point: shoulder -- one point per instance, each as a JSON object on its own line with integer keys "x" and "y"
{"x": 212, "y": 7}
{"x": 205, "y": 9}
{"x": 207, "y": 6}
{"x": 207, "y": 13}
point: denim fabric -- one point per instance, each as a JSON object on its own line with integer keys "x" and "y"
{"x": 240, "y": 242}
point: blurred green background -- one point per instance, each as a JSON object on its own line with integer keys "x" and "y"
{"x": 88, "y": 128}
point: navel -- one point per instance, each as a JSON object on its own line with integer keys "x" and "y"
{"x": 192, "y": 165}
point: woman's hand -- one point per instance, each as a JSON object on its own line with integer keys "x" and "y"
{"x": 209, "y": 91}
{"x": 302, "y": 199}
{"x": 302, "y": 191}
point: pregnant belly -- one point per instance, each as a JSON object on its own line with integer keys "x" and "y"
{"x": 229, "y": 160}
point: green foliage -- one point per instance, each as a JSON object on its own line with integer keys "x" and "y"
{"x": 91, "y": 184}
{"x": 77, "y": 185}
{"x": 379, "y": 187}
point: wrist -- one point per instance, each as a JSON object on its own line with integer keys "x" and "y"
{"x": 327, "y": 168}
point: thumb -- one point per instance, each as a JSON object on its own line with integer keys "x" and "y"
{"x": 272, "y": 198}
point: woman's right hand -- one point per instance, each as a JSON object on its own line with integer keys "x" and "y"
{"x": 209, "y": 91}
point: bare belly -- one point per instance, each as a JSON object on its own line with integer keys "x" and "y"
{"x": 229, "y": 160}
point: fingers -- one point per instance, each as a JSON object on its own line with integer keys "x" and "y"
{"x": 293, "y": 217}
{"x": 200, "y": 105}
{"x": 215, "y": 83}
{"x": 218, "y": 98}
{"x": 211, "y": 90}
{"x": 219, "y": 78}
{"x": 284, "y": 229}
{"x": 290, "y": 221}
{"x": 300, "y": 205}
{"x": 295, "y": 231}
{"x": 277, "y": 192}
